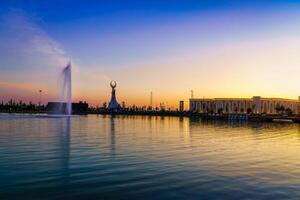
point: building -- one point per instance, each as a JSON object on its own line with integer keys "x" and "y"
{"x": 181, "y": 106}
{"x": 61, "y": 107}
{"x": 256, "y": 104}
{"x": 80, "y": 107}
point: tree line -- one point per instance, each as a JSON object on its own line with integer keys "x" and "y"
{"x": 20, "y": 106}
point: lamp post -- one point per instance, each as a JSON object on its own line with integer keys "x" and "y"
{"x": 151, "y": 100}
{"x": 40, "y": 99}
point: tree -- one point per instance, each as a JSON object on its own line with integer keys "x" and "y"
{"x": 235, "y": 109}
{"x": 288, "y": 111}
{"x": 220, "y": 110}
{"x": 279, "y": 108}
{"x": 253, "y": 108}
{"x": 249, "y": 110}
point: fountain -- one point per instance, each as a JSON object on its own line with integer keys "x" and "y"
{"x": 65, "y": 106}
{"x": 68, "y": 87}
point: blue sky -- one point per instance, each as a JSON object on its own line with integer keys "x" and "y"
{"x": 167, "y": 47}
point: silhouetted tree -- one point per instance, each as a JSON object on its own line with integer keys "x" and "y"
{"x": 279, "y": 108}
{"x": 249, "y": 110}
{"x": 288, "y": 111}
{"x": 220, "y": 110}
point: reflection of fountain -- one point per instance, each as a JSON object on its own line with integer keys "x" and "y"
{"x": 63, "y": 144}
{"x": 66, "y": 91}
{"x": 65, "y": 135}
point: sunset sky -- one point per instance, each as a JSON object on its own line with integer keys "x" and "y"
{"x": 215, "y": 48}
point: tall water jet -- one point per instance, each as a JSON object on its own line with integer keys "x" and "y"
{"x": 68, "y": 87}
{"x": 66, "y": 92}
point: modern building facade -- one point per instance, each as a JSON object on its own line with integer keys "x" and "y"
{"x": 256, "y": 104}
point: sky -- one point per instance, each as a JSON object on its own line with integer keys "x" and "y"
{"x": 170, "y": 47}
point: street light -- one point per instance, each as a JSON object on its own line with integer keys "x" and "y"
{"x": 40, "y": 99}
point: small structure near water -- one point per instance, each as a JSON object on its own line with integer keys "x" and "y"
{"x": 63, "y": 107}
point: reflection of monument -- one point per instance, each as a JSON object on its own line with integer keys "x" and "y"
{"x": 112, "y": 134}
{"x": 113, "y": 104}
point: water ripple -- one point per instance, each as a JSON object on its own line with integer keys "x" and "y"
{"x": 131, "y": 157}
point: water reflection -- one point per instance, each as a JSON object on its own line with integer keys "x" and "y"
{"x": 64, "y": 137}
{"x": 112, "y": 135}
{"x": 143, "y": 157}
{"x": 197, "y": 122}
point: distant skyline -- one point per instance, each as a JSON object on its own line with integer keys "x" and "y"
{"x": 216, "y": 48}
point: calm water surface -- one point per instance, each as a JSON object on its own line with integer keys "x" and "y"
{"x": 135, "y": 157}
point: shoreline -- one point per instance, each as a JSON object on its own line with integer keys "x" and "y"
{"x": 227, "y": 117}
{"x": 223, "y": 117}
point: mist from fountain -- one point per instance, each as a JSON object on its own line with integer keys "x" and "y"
{"x": 66, "y": 90}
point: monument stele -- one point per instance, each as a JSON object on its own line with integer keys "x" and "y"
{"x": 113, "y": 104}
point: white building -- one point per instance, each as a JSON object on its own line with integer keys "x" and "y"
{"x": 256, "y": 104}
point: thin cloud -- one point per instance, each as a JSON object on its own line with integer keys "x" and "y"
{"x": 22, "y": 38}
{"x": 30, "y": 57}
